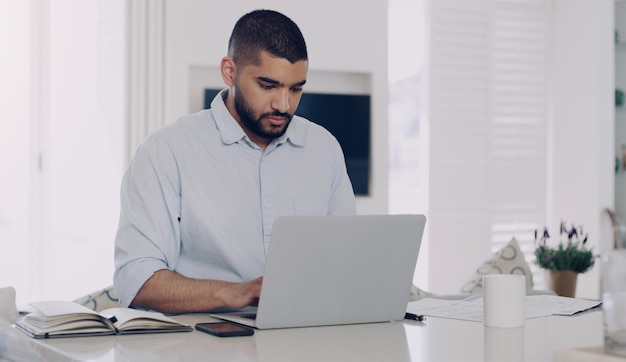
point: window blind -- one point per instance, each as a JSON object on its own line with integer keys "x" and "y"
{"x": 487, "y": 116}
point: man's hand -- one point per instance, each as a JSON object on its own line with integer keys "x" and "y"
{"x": 170, "y": 292}
{"x": 240, "y": 295}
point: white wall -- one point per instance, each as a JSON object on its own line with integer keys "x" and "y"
{"x": 582, "y": 172}
{"x": 348, "y": 37}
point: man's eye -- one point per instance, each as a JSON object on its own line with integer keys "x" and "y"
{"x": 267, "y": 86}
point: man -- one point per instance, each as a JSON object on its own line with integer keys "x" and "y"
{"x": 200, "y": 196}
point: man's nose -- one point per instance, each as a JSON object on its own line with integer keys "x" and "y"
{"x": 281, "y": 101}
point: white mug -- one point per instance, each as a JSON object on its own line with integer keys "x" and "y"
{"x": 504, "y": 300}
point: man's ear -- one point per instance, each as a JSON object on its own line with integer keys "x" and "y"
{"x": 228, "y": 69}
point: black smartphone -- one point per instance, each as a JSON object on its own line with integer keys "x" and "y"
{"x": 224, "y": 329}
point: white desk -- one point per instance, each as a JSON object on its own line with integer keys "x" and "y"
{"x": 435, "y": 340}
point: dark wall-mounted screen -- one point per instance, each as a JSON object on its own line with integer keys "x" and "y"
{"x": 347, "y": 117}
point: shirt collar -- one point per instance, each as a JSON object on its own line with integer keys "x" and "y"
{"x": 229, "y": 129}
{"x": 231, "y": 132}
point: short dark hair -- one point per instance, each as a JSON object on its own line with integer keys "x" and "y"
{"x": 266, "y": 30}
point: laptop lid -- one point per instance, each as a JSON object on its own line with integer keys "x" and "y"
{"x": 329, "y": 270}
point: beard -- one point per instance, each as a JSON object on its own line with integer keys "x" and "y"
{"x": 255, "y": 124}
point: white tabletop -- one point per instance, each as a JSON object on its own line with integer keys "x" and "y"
{"x": 436, "y": 339}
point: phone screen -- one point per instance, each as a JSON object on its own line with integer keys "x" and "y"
{"x": 224, "y": 329}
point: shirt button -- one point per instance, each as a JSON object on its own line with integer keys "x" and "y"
{"x": 268, "y": 205}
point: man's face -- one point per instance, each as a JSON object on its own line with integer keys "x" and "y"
{"x": 266, "y": 96}
{"x": 273, "y": 127}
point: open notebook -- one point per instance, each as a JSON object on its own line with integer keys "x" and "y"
{"x": 329, "y": 270}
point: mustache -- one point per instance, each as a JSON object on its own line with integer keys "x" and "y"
{"x": 286, "y": 115}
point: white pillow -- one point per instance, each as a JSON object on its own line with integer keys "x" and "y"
{"x": 508, "y": 260}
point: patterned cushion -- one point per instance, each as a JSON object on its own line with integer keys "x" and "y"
{"x": 416, "y": 293}
{"x": 508, "y": 260}
{"x": 100, "y": 300}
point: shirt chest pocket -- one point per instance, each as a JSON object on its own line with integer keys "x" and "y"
{"x": 310, "y": 206}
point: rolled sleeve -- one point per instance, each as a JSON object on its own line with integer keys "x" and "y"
{"x": 148, "y": 234}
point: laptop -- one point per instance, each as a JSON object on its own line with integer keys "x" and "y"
{"x": 332, "y": 270}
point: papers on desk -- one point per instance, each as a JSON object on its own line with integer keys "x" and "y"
{"x": 471, "y": 308}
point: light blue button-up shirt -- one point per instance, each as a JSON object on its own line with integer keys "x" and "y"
{"x": 200, "y": 198}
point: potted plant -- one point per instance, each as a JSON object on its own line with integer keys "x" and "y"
{"x": 566, "y": 260}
